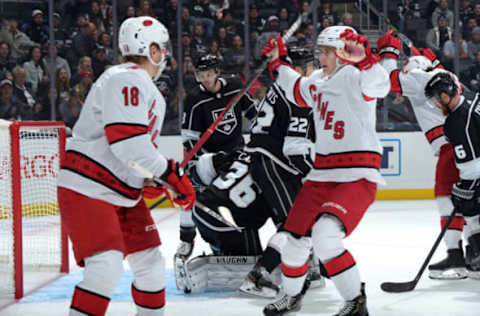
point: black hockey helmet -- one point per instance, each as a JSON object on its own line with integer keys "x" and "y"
{"x": 299, "y": 55}
{"x": 441, "y": 82}
{"x": 206, "y": 62}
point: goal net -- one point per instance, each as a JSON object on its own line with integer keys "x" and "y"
{"x": 33, "y": 247}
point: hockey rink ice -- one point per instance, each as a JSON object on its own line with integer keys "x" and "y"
{"x": 389, "y": 245}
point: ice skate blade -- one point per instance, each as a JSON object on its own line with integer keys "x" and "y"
{"x": 475, "y": 275}
{"x": 251, "y": 290}
{"x": 450, "y": 274}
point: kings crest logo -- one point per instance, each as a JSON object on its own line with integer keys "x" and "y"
{"x": 228, "y": 122}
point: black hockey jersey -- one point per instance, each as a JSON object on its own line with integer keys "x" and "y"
{"x": 462, "y": 129}
{"x": 283, "y": 131}
{"x": 237, "y": 191}
{"x": 203, "y": 107}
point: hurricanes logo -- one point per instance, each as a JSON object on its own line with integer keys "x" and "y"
{"x": 228, "y": 123}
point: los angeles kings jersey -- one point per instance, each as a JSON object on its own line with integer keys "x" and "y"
{"x": 412, "y": 85}
{"x": 203, "y": 107}
{"x": 462, "y": 129}
{"x": 119, "y": 122}
{"x": 346, "y": 143}
{"x": 282, "y": 130}
{"x": 239, "y": 193}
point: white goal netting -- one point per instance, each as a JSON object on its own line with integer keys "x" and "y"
{"x": 39, "y": 234}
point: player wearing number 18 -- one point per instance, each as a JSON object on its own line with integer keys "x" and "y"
{"x": 100, "y": 196}
{"x": 346, "y": 170}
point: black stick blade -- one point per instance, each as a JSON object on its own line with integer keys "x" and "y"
{"x": 398, "y": 287}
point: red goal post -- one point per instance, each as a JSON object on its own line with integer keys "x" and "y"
{"x": 33, "y": 245}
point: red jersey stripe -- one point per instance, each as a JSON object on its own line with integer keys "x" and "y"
{"x": 88, "y": 302}
{"x": 150, "y": 300}
{"x": 297, "y": 95}
{"x": 84, "y": 166}
{"x": 361, "y": 159}
{"x": 434, "y": 133}
{"x": 120, "y": 131}
{"x": 294, "y": 272}
{"x": 368, "y": 99}
{"x": 457, "y": 223}
{"x": 339, "y": 264}
{"x": 395, "y": 82}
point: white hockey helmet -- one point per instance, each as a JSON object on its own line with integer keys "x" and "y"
{"x": 138, "y": 33}
{"x": 331, "y": 36}
{"x": 417, "y": 62}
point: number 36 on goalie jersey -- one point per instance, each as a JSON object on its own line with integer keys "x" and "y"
{"x": 236, "y": 186}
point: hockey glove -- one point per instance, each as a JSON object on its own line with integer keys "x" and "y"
{"x": 276, "y": 52}
{"x": 427, "y": 52}
{"x": 175, "y": 176}
{"x": 463, "y": 197}
{"x": 389, "y": 45}
{"x": 184, "y": 250}
{"x": 153, "y": 192}
{"x": 303, "y": 163}
{"x": 357, "y": 51}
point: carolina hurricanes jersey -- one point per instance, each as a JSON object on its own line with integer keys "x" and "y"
{"x": 281, "y": 130}
{"x": 346, "y": 145}
{"x": 119, "y": 122}
{"x": 412, "y": 85}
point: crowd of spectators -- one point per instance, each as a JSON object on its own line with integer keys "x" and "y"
{"x": 83, "y": 48}
{"x": 432, "y": 24}
{"x": 83, "y": 45}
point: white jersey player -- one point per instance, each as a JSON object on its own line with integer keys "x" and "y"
{"x": 343, "y": 182}
{"x": 100, "y": 197}
{"x": 410, "y": 82}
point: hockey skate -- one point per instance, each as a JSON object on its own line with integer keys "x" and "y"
{"x": 284, "y": 305}
{"x": 355, "y": 307}
{"x": 472, "y": 260}
{"x": 314, "y": 275}
{"x": 450, "y": 268}
{"x": 259, "y": 283}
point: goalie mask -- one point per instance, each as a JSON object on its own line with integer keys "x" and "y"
{"x": 440, "y": 83}
{"x": 137, "y": 34}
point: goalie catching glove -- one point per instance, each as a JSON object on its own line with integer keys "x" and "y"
{"x": 175, "y": 176}
{"x": 357, "y": 51}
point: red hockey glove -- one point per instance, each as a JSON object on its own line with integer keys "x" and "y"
{"x": 175, "y": 176}
{"x": 427, "y": 52}
{"x": 276, "y": 52}
{"x": 389, "y": 45}
{"x": 357, "y": 51}
{"x": 153, "y": 192}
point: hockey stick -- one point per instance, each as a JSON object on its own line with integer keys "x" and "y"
{"x": 206, "y": 135}
{"x": 154, "y": 205}
{"x": 409, "y": 43}
{"x": 146, "y": 173}
{"x": 399, "y": 287}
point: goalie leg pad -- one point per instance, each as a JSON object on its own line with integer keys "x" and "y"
{"x": 213, "y": 272}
